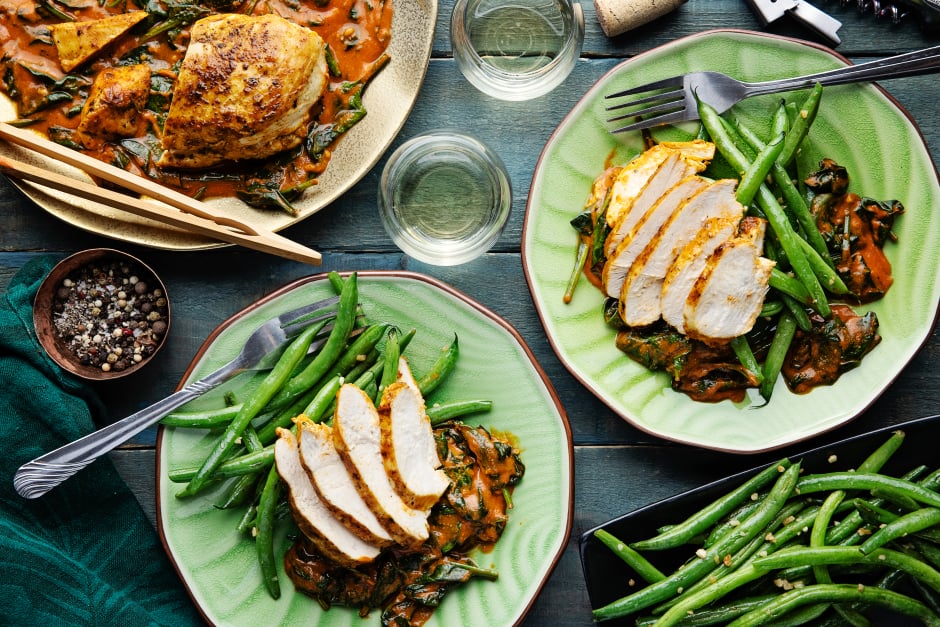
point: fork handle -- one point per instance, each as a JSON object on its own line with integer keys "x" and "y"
{"x": 35, "y": 478}
{"x": 909, "y": 64}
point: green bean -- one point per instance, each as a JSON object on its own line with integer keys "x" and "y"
{"x": 442, "y": 412}
{"x": 794, "y": 518}
{"x": 248, "y": 519}
{"x": 754, "y": 176}
{"x": 687, "y": 604}
{"x": 817, "y": 535}
{"x": 269, "y": 386}
{"x": 786, "y": 284}
{"x": 787, "y": 558}
{"x": 930, "y": 552}
{"x": 704, "y": 518}
{"x": 838, "y": 593}
{"x": 694, "y": 570}
{"x": 202, "y": 419}
{"x": 824, "y": 271}
{"x": 853, "y": 521}
{"x": 746, "y": 356}
{"x": 900, "y": 500}
{"x": 881, "y": 455}
{"x": 771, "y": 308}
{"x": 873, "y": 463}
{"x": 336, "y": 281}
{"x": 872, "y": 514}
{"x": 579, "y": 260}
{"x": 240, "y": 492}
{"x": 733, "y": 519}
{"x": 234, "y": 467}
{"x": 441, "y": 368}
{"x": 370, "y": 359}
{"x": 717, "y": 615}
{"x": 866, "y": 481}
{"x": 799, "y": 314}
{"x": 799, "y": 126}
{"x": 332, "y": 349}
{"x": 358, "y": 351}
{"x": 640, "y": 565}
{"x": 264, "y": 538}
{"x": 314, "y": 405}
{"x": 913, "y": 522}
{"x": 792, "y": 197}
{"x": 392, "y": 353}
{"x": 802, "y": 616}
{"x": 779, "y": 345}
{"x": 285, "y": 416}
{"x": 771, "y": 208}
{"x": 317, "y": 408}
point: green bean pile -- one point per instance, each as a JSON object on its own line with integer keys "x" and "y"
{"x": 243, "y": 453}
{"x": 786, "y": 548}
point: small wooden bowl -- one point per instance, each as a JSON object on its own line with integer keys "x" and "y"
{"x": 99, "y": 308}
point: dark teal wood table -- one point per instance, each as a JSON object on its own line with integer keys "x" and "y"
{"x": 617, "y": 468}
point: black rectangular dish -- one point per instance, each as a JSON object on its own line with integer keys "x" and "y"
{"x": 607, "y": 576}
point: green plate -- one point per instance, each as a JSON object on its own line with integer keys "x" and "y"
{"x": 859, "y": 126}
{"x": 219, "y": 567}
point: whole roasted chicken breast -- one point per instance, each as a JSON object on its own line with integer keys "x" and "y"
{"x": 245, "y": 90}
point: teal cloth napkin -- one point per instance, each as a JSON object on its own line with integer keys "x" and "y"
{"x": 83, "y": 554}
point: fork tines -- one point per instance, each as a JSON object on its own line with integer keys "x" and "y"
{"x": 667, "y": 100}
{"x": 295, "y": 320}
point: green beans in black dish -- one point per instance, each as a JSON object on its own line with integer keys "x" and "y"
{"x": 796, "y": 566}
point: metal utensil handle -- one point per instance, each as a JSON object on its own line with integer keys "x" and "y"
{"x": 908, "y": 64}
{"x": 35, "y": 478}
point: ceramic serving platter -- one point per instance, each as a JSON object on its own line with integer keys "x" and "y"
{"x": 219, "y": 566}
{"x": 860, "y": 126}
{"x": 388, "y": 99}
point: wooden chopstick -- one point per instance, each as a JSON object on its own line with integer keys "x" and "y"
{"x": 184, "y": 212}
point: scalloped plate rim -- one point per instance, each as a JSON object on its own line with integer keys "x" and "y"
{"x": 582, "y": 107}
{"x": 98, "y": 219}
{"x": 483, "y": 315}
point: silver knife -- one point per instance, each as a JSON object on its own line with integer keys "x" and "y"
{"x": 816, "y": 19}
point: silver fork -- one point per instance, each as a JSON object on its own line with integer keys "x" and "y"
{"x": 260, "y": 352}
{"x": 674, "y": 99}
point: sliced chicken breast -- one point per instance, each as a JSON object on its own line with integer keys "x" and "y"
{"x": 358, "y": 438}
{"x": 619, "y": 264}
{"x": 688, "y": 266}
{"x": 671, "y": 171}
{"x": 409, "y": 450}
{"x": 727, "y": 298}
{"x": 640, "y": 297}
{"x": 634, "y": 176}
{"x": 334, "y": 484}
{"x": 315, "y": 519}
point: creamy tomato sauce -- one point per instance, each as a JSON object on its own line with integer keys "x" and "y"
{"x": 49, "y": 100}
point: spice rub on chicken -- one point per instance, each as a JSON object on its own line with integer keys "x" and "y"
{"x": 659, "y": 203}
{"x": 245, "y": 90}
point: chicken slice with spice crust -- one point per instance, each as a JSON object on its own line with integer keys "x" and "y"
{"x": 640, "y": 298}
{"x": 727, "y": 298}
{"x": 245, "y": 90}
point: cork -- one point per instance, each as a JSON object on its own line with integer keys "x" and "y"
{"x": 619, "y": 16}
